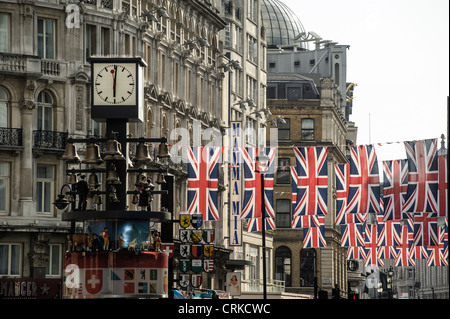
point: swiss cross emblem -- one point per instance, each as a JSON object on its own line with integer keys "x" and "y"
{"x": 168, "y": 248}
{"x": 93, "y": 280}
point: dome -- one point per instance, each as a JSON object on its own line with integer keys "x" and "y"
{"x": 281, "y": 23}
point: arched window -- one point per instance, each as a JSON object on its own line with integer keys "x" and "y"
{"x": 283, "y": 265}
{"x": 4, "y": 116}
{"x": 307, "y": 267}
{"x": 44, "y": 111}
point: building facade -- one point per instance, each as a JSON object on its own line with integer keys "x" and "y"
{"x": 45, "y": 98}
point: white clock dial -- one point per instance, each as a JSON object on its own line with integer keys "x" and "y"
{"x": 115, "y": 84}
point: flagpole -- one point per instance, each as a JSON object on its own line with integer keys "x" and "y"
{"x": 263, "y": 216}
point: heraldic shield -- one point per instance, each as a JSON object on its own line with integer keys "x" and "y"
{"x": 185, "y": 220}
{"x": 196, "y": 236}
{"x": 208, "y": 251}
{"x": 208, "y": 235}
{"x": 184, "y": 265}
{"x": 197, "y": 220}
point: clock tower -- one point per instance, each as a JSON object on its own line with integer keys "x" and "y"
{"x": 117, "y": 89}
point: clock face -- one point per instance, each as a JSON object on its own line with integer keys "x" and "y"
{"x": 114, "y": 84}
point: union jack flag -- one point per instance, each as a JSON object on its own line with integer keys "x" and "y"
{"x": 314, "y": 237}
{"x": 404, "y": 252}
{"x": 352, "y": 235}
{"x": 395, "y": 185}
{"x": 312, "y": 185}
{"x": 387, "y": 234}
{"x": 364, "y": 182}
{"x": 255, "y": 224}
{"x": 307, "y": 221}
{"x": 371, "y": 251}
{"x": 252, "y": 184}
{"x": 422, "y": 193}
{"x": 203, "y": 183}
{"x": 355, "y": 253}
{"x": 426, "y": 230}
{"x": 442, "y": 186}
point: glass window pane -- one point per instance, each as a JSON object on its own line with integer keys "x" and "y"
{"x": 47, "y": 197}
{"x": 39, "y": 196}
{"x": 2, "y": 195}
{"x": 15, "y": 259}
{"x": 4, "y": 259}
{"x": 49, "y": 34}
{"x": 55, "y": 259}
{"x": 48, "y": 118}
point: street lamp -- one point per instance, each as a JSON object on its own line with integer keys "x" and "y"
{"x": 263, "y": 161}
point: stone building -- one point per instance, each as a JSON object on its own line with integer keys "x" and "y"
{"x": 45, "y": 98}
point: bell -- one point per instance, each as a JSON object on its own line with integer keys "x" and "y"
{"x": 135, "y": 199}
{"x": 160, "y": 179}
{"x": 163, "y": 151}
{"x": 70, "y": 154}
{"x": 98, "y": 199}
{"x": 92, "y": 155}
{"x": 73, "y": 179}
{"x": 142, "y": 154}
{"x": 113, "y": 151}
{"x": 113, "y": 198}
{"x": 112, "y": 177}
{"x": 93, "y": 181}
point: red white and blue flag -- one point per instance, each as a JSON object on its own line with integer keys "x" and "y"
{"x": 404, "y": 250}
{"x": 342, "y": 173}
{"x": 426, "y": 230}
{"x": 307, "y": 221}
{"x": 371, "y": 251}
{"x": 203, "y": 183}
{"x": 255, "y": 224}
{"x": 422, "y": 193}
{"x": 314, "y": 237}
{"x": 312, "y": 185}
{"x": 352, "y": 235}
{"x": 364, "y": 182}
{"x": 395, "y": 185}
{"x": 252, "y": 184}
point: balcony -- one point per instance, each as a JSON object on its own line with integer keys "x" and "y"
{"x": 256, "y": 285}
{"x": 49, "y": 140}
{"x": 10, "y": 138}
{"x": 12, "y": 63}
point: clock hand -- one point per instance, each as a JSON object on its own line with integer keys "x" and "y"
{"x": 114, "y": 76}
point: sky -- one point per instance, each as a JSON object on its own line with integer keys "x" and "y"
{"x": 399, "y": 59}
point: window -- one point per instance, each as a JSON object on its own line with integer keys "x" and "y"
{"x": 237, "y": 38}
{"x": 283, "y": 171}
{"x": 283, "y": 213}
{"x": 54, "y": 261}
{"x": 252, "y": 51}
{"x": 308, "y": 129}
{"x": 44, "y": 111}
{"x": 251, "y": 9}
{"x": 307, "y": 267}
{"x": 4, "y": 186}
{"x": 44, "y": 189}
{"x": 251, "y": 88}
{"x": 105, "y": 41}
{"x": 91, "y": 40}
{"x": 228, "y": 35}
{"x": 46, "y": 38}
{"x": 283, "y": 265}
{"x": 284, "y": 130}
{"x": 4, "y": 32}
{"x": 294, "y": 93}
{"x": 10, "y": 259}
{"x": 254, "y": 258}
{"x": 3, "y": 108}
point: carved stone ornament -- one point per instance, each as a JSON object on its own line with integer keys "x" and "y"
{"x": 28, "y": 104}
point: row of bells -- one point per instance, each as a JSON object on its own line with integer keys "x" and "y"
{"x": 111, "y": 179}
{"x": 113, "y": 152}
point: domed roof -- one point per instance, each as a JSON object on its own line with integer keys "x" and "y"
{"x": 280, "y": 22}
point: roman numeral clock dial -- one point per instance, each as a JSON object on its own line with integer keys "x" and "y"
{"x": 115, "y": 84}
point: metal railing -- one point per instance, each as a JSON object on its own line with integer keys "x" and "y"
{"x": 256, "y": 285}
{"x": 49, "y": 140}
{"x": 10, "y": 136}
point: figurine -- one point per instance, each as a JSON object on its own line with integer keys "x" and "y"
{"x": 82, "y": 191}
{"x": 104, "y": 234}
{"x": 69, "y": 243}
{"x": 143, "y": 193}
{"x": 132, "y": 244}
{"x": 156, "y": 241}
{"x": 120, "y": 241}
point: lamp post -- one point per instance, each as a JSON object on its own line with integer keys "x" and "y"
{"x": 263, "y": 160}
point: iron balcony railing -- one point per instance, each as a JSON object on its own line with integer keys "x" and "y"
{"x": 51, "y": 140}
{"x": 10, "y": 136}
